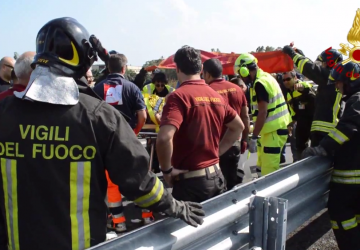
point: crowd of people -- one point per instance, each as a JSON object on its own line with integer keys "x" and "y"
{"x": 67, "y": 143}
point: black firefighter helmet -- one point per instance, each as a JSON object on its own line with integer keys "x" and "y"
{"x": 330, "y": 57}
{"x": 63, "y": 43}
{"x": 348, "y": 74}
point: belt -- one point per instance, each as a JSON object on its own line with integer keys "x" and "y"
{"x": 198, "y": 173}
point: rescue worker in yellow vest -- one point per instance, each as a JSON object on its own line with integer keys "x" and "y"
{"x": 158, "y": 86}
{"x": 342, "y": 145}
{"x": 301, "y": 101}
{"x": 269, "y": 112}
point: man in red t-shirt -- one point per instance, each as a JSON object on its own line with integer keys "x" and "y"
{"x": 22, "y": 70}
{"x": 235, "y": 97}
{"x": 190, "y": 130}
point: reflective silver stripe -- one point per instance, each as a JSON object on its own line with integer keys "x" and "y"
{"x": 345, "y": 180}
{"x": 347, "y": 173}
{"x": 158, "y": 103}
{"x": 115, "y": 204}
{"x": 323, "y": 124}
{"x": 349, "y": 224}
{"x": 271, "y": 100}
{"x": 80, "y": 194}
{"x": 149, "y": 89}
{"x": 278, "y": 115}
{"x": 338, "y": 136}
{"x": 118, "y": 215}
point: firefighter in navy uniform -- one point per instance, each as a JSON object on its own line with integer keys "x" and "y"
{"x": 328, "y": 100}
{"x": 57, "y": 145}
{"x": 343, "y": 145}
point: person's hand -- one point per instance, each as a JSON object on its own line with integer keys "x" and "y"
{"x": 189, "y": 212}
{"x": 169, "y": 178}
{"x": 298, "y": 86}
{"x": 243, "y": 146}
{"x": 290, "y": 129}
{"x": 315, "y": 151}
{"x": 97, "y": 46}
{"x": 253, "y": 144}
{"x": 289, "y": 50}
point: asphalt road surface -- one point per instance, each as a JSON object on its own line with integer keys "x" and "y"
{"x": 315, "y": 234}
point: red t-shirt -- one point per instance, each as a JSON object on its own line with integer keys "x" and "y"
{"x": 198, "y": 113}
{"x": 10, "y": 91}
{"x": 232, "y": 94}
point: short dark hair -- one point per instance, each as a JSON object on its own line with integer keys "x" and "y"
{"x": 213, "y": 67}
{"x": 188, "y": 60}
{"x": 238, "y": 81}
{"x": 117, "y": 62}
{"x": 160, "y": 77}
{"x": 292, "y": 73}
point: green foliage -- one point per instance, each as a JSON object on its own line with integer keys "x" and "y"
{"x": 263, "y": 49}
{"x": 96, "y": 74}
{"x": 16, "y": 55}
{"x": 130, "y": 74}
{"x": 217, "y": 50}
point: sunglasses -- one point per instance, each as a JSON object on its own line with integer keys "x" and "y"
{"x": 287, "y": 79}
{"x": 160, "y": 85}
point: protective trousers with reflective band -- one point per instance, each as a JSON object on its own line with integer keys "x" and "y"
{"x": 114, "y": 201}
{"x": 278, "y": 115}
{"x": 270, "y": 150}
{"x": 344, "y": 211}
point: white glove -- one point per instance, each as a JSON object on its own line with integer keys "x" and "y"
{"x": 253, "y": 145}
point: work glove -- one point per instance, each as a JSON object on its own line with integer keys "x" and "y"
{"x": 253, "y": 144}
{"x": 243, "y": 147}
{"x": 315, "y": 151}
{"x": 289, "y": 51}
{"x": 189, "y": 212}
{"x": 97, "y": 46}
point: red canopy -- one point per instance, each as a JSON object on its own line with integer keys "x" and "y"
{"x": 271, "y": 62}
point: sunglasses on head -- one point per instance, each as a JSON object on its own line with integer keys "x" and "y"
{"x": 7, "y": 65}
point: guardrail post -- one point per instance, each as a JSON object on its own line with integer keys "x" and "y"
{"x": 268, "y": 217}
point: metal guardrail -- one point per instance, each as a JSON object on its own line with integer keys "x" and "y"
{"x": 303, "y": 184}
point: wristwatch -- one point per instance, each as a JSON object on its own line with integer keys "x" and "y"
{"x": 167, "y": 171}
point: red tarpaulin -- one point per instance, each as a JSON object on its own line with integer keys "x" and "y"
{"x": 271, "y": 62}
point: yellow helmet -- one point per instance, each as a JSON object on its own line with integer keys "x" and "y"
{"x": 242, "y": 62}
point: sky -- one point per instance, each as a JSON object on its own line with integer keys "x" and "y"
{"x": 144, "y": 30}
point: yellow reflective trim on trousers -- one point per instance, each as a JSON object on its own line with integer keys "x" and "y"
{"x": 349, "y": 224}
{"x": 346, "y": 173}
{"x": 153, "y": 196}
{"x": 80, "y": 178}
{"x": 9, "y": 176}
{"x": 302, "y": 64}
{"x": 338, "y": 136}
{"x": 346, "y": 180}
{"x": 334, "y": 224}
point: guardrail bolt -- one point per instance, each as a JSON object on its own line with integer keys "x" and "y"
{"x": 254, "y": 192}
{"x": 235, "y": 232}
{"x": 252, "y": 207}
{"x": 234, "y": 201}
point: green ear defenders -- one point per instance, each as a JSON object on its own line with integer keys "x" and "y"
{"x": 244, "y": 71}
